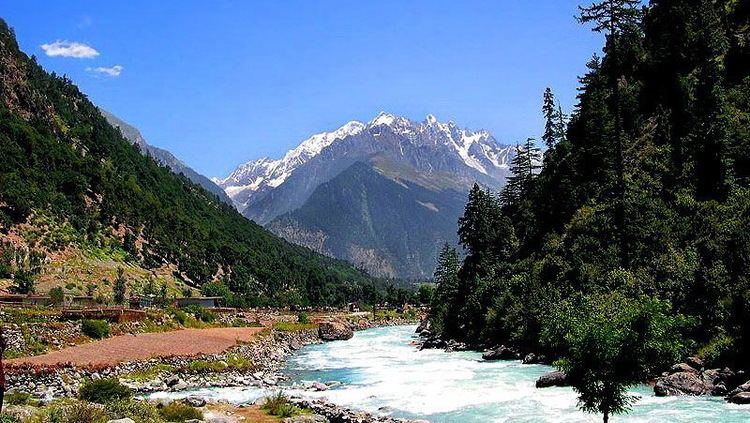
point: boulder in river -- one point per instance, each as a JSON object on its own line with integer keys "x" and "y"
{"x": 500, "y": 353}
{"x": 556, "y": 378}
{"x": 683, "y": 367}
{"x": 682, "y": 383}
{"x": 740, "y": 398}
{"x": 334, "y": 331}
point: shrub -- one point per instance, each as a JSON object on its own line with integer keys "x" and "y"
{"x": 4, "y": 418}
{"x": 204, "y": 366}
{"x": 200, "y": 313}
{"x": 180, "y": 316}
{"x": 293, "y": 326}
{"x": 180, "y": 412}
{"x": 303, "y": 318}
{"x": 104, "y": 390}
{"x": 96, "y": 329}
{"x": 70, "y": 411}
{"x": 139, "y": 411}
{"x": 17, "y": 398}
{"x": 56, "y": 296}
{"x": 279, "y": 405}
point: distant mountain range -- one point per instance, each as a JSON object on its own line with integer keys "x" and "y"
{"x": 383, "y": 195}
{"x": 164, "y": 157}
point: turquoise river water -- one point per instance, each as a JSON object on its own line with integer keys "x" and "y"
{"x": 380, "y": 370}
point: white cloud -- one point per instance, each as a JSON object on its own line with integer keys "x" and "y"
{"x": 69, "y": 49}
{"x": 114, "y": 71}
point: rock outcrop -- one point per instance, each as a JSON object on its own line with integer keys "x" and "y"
{"x": 689, "y": 378}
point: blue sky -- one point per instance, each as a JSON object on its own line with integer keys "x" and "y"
{"x": 222, "y": 82}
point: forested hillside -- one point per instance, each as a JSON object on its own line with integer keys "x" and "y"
{"x": 69, "y": 180}
{"x": 389, "y": 226}
{"x": 640, "y": 215}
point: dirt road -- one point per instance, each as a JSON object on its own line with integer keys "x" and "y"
{"x": 144, "y": 346}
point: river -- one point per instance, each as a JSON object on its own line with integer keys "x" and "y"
{"x": 379, "y": 370}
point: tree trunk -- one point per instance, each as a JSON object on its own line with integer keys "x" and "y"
{"x": 606, "y": 416}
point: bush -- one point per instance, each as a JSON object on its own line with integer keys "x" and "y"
{"x": 279, "y": 405}
{"x": 96, "y": 329}
{"x": 8, "y": 419}
{"x": 179, "y": 412}
{"x": 104, "y": 390}
{"x": 179, "y": 316}
{"x": 56, "y": 296}
{"x": 17, "y": 398}
{"x": 200, "y": 313}
{"x": 139, "y": 411}
{"x": 293, "y": 326}
{"x": 71, "y": 411}
{"x": 205, "y": 366}
{"x": 303, "y": 318}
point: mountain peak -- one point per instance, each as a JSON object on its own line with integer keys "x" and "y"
{"x": 431, "y": 119}
{"x": 383, "y": 118}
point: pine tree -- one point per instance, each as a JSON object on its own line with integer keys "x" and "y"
{"x": 119, "y": 288}
{"x": 616, "y": 18}
{"x": 560, "y": 124}
{"x": 524, "y": 166}
{"x": 446, "y": 300}
{"x": 551, "y": 129}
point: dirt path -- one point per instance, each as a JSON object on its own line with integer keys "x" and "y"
{"x": 144, "y": 346}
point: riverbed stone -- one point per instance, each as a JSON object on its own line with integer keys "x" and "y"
{"x": 500, "y": 353}
{"x": 694, "y": 362}
{"x": 682, "y": 383}
{"x": 740, "y": 398}
{"x": 335, "y": 331}
{"x": 195, "y": 401}
{"x": 683, "y": 367}
{"x": 556, "y": 378}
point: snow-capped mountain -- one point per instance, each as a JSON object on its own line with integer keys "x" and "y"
{"x": 384, "y": 195}
{"x": 429, "y": 146}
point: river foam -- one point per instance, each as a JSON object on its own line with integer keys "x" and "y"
{"x": 381, "y": 371}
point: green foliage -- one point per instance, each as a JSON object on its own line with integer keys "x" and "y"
{"x": 303, "y": 318}
{"x": 279, "y": 405}
{"x": 56, "y": 296}
{"x": 17, "y": 398}
{"x": 96, "y": 329}
{"x": 425, "y": 293}
{"x": 205, "y": 366}
{"x": 179, "y": 412}
{"x": 119, "y": 288}
{"x": 103, "y": 390}
{"x": 180, "y": 316}
{"x": 139, "y": 411}
{"x": 201, "y": 313}
{"x": 8, "y": 419}
{"x": 610, "y": 342}
{"x": 293, "y": 326}
{"x": 24, "y": 282}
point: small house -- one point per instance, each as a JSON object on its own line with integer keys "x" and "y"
{"x": 205, "y": 302}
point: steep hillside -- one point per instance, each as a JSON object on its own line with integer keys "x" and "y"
{"x": 388, "y": 226}
{"x": 164, "y": 157}
{"x": 70, "y": 181}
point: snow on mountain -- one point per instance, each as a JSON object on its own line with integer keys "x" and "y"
{"x": 478, "y": 151}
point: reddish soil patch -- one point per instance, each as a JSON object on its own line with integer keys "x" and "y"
{"x": 144, "y": 346}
